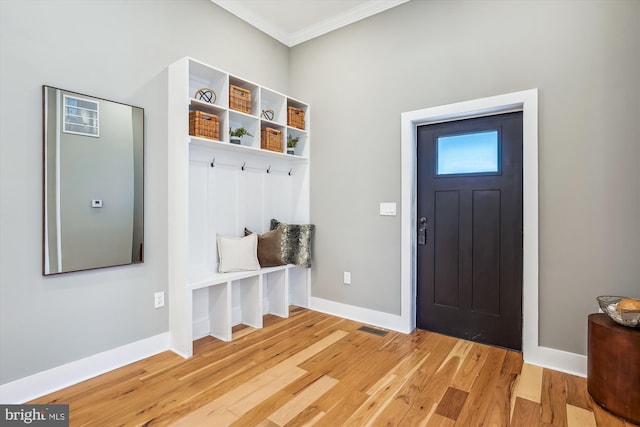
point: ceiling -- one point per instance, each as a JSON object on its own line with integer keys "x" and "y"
{"x": 295, "y": 21}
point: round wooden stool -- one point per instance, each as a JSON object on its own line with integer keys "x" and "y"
{"x": 613, "y": 367}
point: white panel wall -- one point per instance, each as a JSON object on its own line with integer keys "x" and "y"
{"x": 225, "y": 199}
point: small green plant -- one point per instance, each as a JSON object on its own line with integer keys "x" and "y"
{"x": 292, "y": 141}
{"x": 239, "y": 132}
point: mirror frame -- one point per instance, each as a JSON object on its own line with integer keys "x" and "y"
{"x": 137, "y": 184}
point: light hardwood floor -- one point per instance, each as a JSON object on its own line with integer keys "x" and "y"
{"x": 315, "y": 369}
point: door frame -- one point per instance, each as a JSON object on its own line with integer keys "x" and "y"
{"x": 525, "y": 101}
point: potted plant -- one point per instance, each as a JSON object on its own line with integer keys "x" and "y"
{"x": 237, "y": 134}
{"x": 292, "y": 142}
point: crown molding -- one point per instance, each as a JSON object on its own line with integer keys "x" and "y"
{"x": 238, "y": 9}
{"x": 323, "y": 27}
{"x": 348, "y": 17}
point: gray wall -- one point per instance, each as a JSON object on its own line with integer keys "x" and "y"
{"x": 583, "y": 56}
{"x": 118, "y": 50}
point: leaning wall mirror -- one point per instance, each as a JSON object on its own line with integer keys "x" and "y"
{"x": 93, "y": 182}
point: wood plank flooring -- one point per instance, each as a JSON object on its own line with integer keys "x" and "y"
{"x": 316, "y": 369}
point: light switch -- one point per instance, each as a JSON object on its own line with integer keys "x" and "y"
{"x": 388, "y": 209}
{"x": 96, "y": 203}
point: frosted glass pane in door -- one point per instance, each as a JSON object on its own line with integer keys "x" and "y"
{"x": 468, "y": 153}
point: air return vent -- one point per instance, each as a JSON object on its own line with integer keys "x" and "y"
{"x": 373, "y": 331}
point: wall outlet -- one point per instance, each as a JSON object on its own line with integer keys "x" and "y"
{"x": 158, "y": 300}
{"x": 347, "y": 277}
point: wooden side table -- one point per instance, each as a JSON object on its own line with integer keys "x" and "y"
{"x": 613, "y": 366}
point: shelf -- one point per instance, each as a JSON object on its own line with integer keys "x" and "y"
{"x": 206, "y": 106}
{"x": 221, "y": 278}
{"x": 297, "y": 131}
{"x": 227, "y": 146}
{"x": 271, "y": 124}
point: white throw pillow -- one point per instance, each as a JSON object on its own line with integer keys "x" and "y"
{"x": 238, "y": 253}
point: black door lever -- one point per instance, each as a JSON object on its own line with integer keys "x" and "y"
{"x": 422, "y": 231}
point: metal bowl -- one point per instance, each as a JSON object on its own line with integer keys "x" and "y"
{"x": 609, "y": 304}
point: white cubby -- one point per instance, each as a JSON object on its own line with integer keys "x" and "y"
{"x": 251, "y": 124}
{"x": 251, "y": 87}
{"x": 276, "y": 102}
{"x": 216, "y": 187}
{"x": 201, "y": 76}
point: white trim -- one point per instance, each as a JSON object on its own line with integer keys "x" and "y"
{"x": 36, "y": 385}
{"x": 343, "y": 19}
{"x": 348, "y": 17}
{"x": 360, "y": 314}
{"x": 527, "y": 101}
{"x": 559, "y": 360}
{"x": 246, "y": 14}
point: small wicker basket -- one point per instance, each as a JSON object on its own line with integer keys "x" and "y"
{"x": 295, "y": 117}
{"x": 239, "y": 99}
{"x": 271, "y": 139}
{"x": 204, "y": 125}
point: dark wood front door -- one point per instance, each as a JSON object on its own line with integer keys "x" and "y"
{"x": 470, "y": 229}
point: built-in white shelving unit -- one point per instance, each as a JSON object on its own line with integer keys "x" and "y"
{"x": 219, "y": 188}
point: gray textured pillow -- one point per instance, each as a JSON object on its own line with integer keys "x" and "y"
{"x": 296, "y": 242}
{"x": 269, "y": 248}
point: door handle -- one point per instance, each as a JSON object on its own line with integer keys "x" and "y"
{"x": 422, "y": 231}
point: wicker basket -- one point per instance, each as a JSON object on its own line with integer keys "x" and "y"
{"x": 295, "y": 117}
{"x": 204, "y": 125}
{"x": 239, "y": 99}
{"x": 271, "y": 139}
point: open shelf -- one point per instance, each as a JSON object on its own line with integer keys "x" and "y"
{"x": 212, "y": 279}
{"x": 227, "y": 146}
{"x": 276, "y": 102}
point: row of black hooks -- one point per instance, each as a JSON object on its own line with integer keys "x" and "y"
{"x": 245, "y": 167}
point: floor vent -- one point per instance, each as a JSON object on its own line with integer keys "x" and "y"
{"x": 374, "y": 331}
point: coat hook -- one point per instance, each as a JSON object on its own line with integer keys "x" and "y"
{"x": 243, "y": 165}
{"x": 269, "y": 169}
{"x": 290, "y": 170}
{"x": 213, "y": 163}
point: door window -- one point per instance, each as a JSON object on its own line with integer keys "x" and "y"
{"x": 468, "y": 153}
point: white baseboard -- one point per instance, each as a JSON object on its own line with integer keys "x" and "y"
{"x": 36, "y": 385}
{"x": 364, "y": 315}
{"x": 559, "y": 360}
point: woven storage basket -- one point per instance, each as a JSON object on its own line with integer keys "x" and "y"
{"x": 239, "y": 99}
{"x": 204, "y": 125}
{"x": 295, "y": 117}
{"x": 271, "y": 139}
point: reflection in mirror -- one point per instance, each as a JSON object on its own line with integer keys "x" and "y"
{"x": 93, "y": 182}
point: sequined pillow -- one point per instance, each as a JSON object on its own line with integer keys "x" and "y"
{"x": 296, "y": 242}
